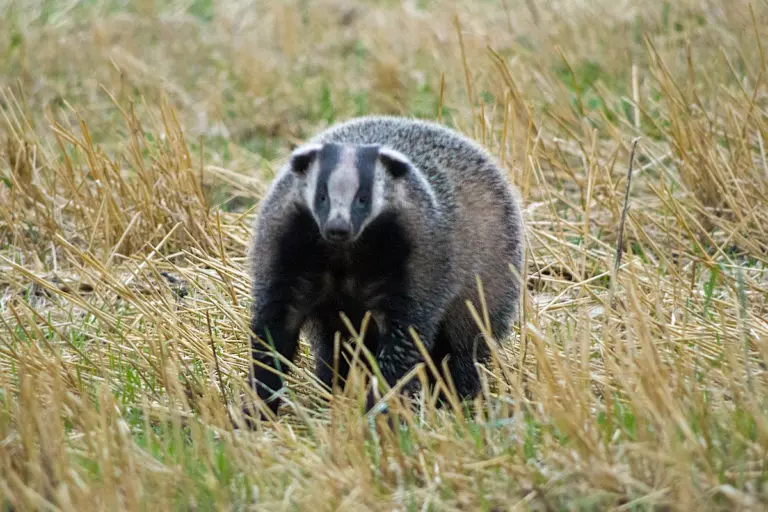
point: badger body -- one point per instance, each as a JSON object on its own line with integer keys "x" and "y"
{"x": 392, "y": 216}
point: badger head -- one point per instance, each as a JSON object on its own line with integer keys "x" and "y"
{"x": 346, "y": 187}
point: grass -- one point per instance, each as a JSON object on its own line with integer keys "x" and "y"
{"x": 137, "y": 138}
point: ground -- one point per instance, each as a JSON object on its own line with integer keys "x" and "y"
{"x": 136, "y": 140}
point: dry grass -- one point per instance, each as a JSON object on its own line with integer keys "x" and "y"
{"x": 135, "y": 140}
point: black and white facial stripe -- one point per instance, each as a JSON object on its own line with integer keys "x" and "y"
{"x": 346, "y": 186}
{"x": 365, "y": 161}
{"x": 328, "y": 160}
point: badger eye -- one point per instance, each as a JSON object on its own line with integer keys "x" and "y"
{"x": 323, "y": 196}
{"x": 362, "y": 199}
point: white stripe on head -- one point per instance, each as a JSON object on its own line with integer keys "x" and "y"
{"x": 343, "y": 183}
{"x": 310, "y": 184}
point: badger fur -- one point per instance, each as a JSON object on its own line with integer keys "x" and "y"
{"x": 395, "y": 217}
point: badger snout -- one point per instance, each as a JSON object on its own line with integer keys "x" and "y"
{"x": 338, "y": 229}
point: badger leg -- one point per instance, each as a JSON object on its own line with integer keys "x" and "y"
{"x": 440, "y": 350}
{"x": 464, "y": 374}
{"x": 397, "y": 352}
{"x": 273, "y": 333}
{"x": 466, "y": 346}
{"x": 323, "y": 344}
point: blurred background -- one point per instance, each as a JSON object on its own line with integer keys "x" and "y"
{"x": 252, "y": 78}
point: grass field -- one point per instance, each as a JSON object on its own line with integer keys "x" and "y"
{"x": 136, "y": 139}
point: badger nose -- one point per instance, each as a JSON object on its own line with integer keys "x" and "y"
{"x": 338, "y": 230}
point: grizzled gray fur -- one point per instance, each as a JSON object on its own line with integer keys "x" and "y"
{"x": 396, "y": 217}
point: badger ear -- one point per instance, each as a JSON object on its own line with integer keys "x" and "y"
{"x": 396, "y": 163}
{"x": 303, "y": 157}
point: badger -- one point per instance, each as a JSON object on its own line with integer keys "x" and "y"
{"x": 395, "y": 217}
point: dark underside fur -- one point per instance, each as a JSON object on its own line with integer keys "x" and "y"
{"x": 312, "y": 273}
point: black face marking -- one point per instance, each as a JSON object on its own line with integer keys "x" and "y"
{"x": 396, "y": 167}
{"x": 365, "y": 162}
{"x": 329, "y": 159}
